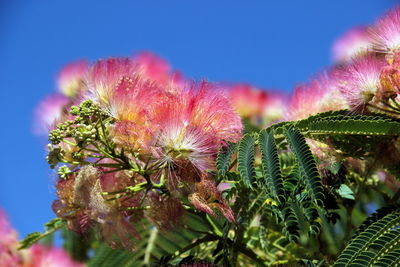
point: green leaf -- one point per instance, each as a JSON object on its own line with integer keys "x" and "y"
{"x": 345, "y": 192}
{"x": 224, "y": 158}
{"x": 152, "y": 245}
{"x": 271, "y": 165}
{"x": 246, "y": 154}
{"x": 50, "y": 228}
{"x": 306, "y": 163}
{"x": 354, "y": 125}
{"x": 380, "y": 237}
{"x": 76, "y": 245}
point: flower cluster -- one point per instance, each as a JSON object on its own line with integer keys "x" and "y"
{"x": 136, "y": 140}
{"x": 36, "y": 256}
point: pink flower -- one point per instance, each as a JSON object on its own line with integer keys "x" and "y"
{"x": 353, "y": 43}
{"x": 41, "y": 256}
{"x": 8, "y": 235}
{"x": 385, "y": 35}
{"x": 359, "y": 81}
{"x": 247, "y": 100}
{"x": 50, "y": 111}
{"x": 108, "y": 76}
{"x": 192, "y": 125}
{"x": 260, "y": 106}
{"x": 276, "y": 107}
{"x": 319, "y": 95}
{"x": 9, "y": 256}
{"x": 70, "y": 79}
{"x": 118, "y": 86}
{"x": 157, "y": 69}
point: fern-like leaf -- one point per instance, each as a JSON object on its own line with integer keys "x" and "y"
{"x": 271, "y": 165}
{"x": 306, "y": 163}
{"x": 224, "y": 158}
{"x": 380, "y": 237}
{"x": 355, "y": 125}
{"x": 246, "y": 154}
{"x": 291, "y": 225}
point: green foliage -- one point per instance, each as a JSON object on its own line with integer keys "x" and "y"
{"x": 224, "y": 158}
{"x": 270, "y": 165}
{"x": 306, "y": 164}
{"x": 153, "y": 245}
{"x": 50, "y": 228}
{"x": 246, "y": 154}
{"x": 289, "y": 185}
{"x": 376, "y": 242}
{"x": 76, "y": 245}
{"x": 354, "y": 125}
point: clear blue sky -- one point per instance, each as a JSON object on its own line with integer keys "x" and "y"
{"x": 272, "y": 44}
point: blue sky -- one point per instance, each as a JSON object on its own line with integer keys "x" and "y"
{"x": 272, "y": 44}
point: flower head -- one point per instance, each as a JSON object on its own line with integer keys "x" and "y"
{"x": 157, "y": 69}
{"x": 192, "y": 125}
{"x": 353, "y": 43}
{"x": 385, "y": 35}
{"x": 50, "y": 111}
{"x": 71, "y": 78}
{"x": 41, "y": 256}
{"x": 276, "y": 107}
{"x": 247, "y": 100}
{"x": 9, "y": 257}
{"x": 359, "y": 81}
{"x": 319, "y": 95}
{"x": 119, "y": 87}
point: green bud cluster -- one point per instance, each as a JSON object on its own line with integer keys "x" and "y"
{"x": 63, "y": 172}
{"x": 85, "y": 133}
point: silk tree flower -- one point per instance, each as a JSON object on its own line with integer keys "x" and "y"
{"x": 208, "y": 199}
{"x": 41, "y": 256}
{"x": 359, "y": 81}
{"x": 247, "y": 100}
{"x": 119, "y": 87}
{"x": 319, "y": 95}
{"x": 9, "y": 256}
{"x": 181, "y": 127}
{"x": 107, "y": 76}
{"x": 275, "y": 109}
{"x": 193, "y": 124}
{"x": 157, "y": 69}
{"x": 49, "y": 112}
{"x": 262, "y": 107}
{"x": 385, "y": 34}
{"x": 353, "y": 43}
{"x": 70, "y": 80}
